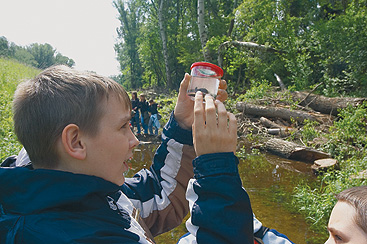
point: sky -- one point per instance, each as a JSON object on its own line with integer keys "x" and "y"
{"x": 83, "y": 30}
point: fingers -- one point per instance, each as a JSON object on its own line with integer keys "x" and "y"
{"x": 210, "y": 112}
{"x": 222, "y": 94}
{"x": 214, "y": 129}
{"x": 232, "y": 125}
{"x": 199, "y": 116}
{"x": 222, "y": 115}
{"x": 222, "y": 84}
{"x": 232, "y": 128}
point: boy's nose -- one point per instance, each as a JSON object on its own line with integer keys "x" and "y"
{"x": 133, "y": 140}
{"x": 328, "y": 241}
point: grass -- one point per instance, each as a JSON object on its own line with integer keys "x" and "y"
{"x": 11, "y": 74}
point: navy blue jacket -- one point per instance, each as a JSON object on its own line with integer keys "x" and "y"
{"x": 49, "y": 206}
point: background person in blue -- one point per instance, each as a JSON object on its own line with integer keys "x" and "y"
{"x": 144, "y": 112}
{"x": 135, "y": 115}
{"x": 75, "y": 128}
{"x": 153, "y": 120}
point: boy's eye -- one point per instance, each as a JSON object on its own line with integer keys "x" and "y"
{"x": 125, "y": 125}
{"x": 338, "y": 239}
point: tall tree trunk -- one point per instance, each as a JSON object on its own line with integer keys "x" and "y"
{"x": 127, "y": 50}
{"x": 164, "y": 43}
{"x": 203, "y": 33}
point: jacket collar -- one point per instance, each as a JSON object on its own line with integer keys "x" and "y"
{"x": 26, "y": 191}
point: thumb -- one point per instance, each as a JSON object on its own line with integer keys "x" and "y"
{"x": 185, "y": 83}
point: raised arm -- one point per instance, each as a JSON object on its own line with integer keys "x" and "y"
{"x": 219, "y": 206}
{"x": 160, "y": 192}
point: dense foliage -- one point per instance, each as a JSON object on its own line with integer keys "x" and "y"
{"x": 36, "y": 55}
{"x": 141, "y": 39}
{"x": 322, "y": 41}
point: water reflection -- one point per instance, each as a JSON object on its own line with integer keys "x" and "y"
{"x": 269, "y": 181}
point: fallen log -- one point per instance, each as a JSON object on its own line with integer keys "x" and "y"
{"x": 246, "y": 45}
{"x": 293, "y": 151}
{"x": 279, "y": 112}
{"x": 269, "y": 124}
{"x": 283, "y": 132}
{"x": 274, "y": 128}
{"x": 325, "y": 105}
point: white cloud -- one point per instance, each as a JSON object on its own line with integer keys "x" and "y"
{"x": 84, "y": 30}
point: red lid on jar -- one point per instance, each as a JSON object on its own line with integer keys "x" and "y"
{"x": 214, "y": 67}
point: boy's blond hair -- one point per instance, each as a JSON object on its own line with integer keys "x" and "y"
{"x": 357, "y": 198}
{"x": 59, "y": 96}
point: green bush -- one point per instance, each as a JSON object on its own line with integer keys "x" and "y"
{"x": 309, "y": 131}
{"x": 167, "y": 105}
{"x": 11, "y": 73}
{"x": 348, "y": 134}
{"x": 258, "y": 90}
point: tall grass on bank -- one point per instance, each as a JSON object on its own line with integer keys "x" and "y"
{"x": 346, "y": 142}
{"x": 11, "y": 74}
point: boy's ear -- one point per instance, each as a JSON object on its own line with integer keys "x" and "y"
{"x": 72, "y": 142}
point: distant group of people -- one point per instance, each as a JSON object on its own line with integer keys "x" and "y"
{"x": 144, "y": 114}
{"x": 67, "y": 185}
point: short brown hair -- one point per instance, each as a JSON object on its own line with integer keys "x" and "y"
{"x": 59, "y": 96}
{"x": 357, "y": 198}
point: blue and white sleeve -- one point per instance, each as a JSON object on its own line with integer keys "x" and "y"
{"x": 219, "y": 206}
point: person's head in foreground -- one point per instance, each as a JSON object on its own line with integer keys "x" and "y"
{"x": 75, "y": 121}
{"x": 348, "y": 220}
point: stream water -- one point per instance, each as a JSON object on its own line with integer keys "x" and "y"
{"x": 269, "y": 181}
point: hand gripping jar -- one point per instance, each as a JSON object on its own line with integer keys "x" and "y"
{"x": 205, "y": 77}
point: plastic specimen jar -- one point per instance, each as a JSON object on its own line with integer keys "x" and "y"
{"x": 205, "y": 77}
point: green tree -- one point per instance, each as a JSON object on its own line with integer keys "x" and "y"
{"x": 343, "y": 53}
{"x": 317, "y": 41}
{"x": 166, "y": 51}
{"x": 36, "y": 55}
{"x": 61, "y": 59}
{"x": 44, "y": 54}
{"x": 4, "y": 46}
{"x": 151, "y": 55}
{"x": 22, "y": 55}
{"x": 127, "y": 48}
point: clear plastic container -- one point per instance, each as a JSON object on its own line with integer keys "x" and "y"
{"x": 205, "y": 77}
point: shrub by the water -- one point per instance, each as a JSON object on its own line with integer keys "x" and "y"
{"x": 347, "y": 143}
